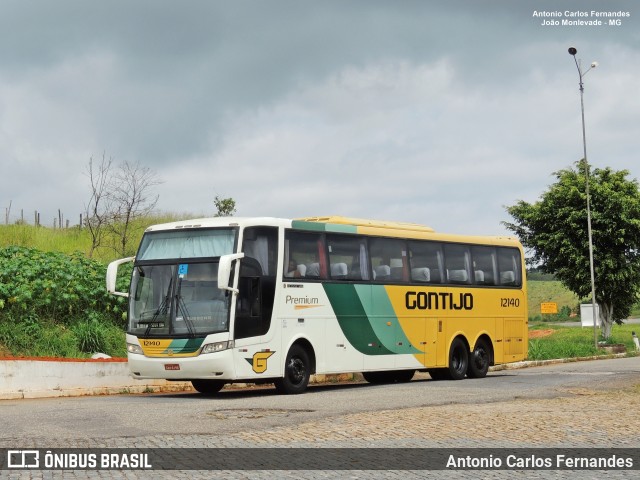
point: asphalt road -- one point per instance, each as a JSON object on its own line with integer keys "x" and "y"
{"x": 581, "y": 404}
{"x": 70, "y": 420}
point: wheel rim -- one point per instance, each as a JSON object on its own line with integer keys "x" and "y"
{"x": 480, "y": 358}
{"x": 296, "y": 371}
{"x": 458, "y": 360}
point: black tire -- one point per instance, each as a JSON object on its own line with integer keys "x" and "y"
{"x": 207, "y": 387}
{"x": 458, "y": 360}
{"x": 297, "y": 370}
{"x": 479, "y": 360}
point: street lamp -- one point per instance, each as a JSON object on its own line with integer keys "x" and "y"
{"x": 572, "y": 52}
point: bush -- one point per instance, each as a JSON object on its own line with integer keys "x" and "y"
{"x": 56, "y": 286}
{"x": 53, "y": 304}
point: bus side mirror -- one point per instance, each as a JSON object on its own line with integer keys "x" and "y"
{"x": 112, "y": 275}
{"x": 224, "y": 271}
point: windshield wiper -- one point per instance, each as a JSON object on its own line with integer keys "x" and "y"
{"x": 182, "y": 306}
{"x": 162, "y": 309}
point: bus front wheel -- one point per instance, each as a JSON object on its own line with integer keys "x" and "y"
{"x": 297, "y": 370}
{"x": 207, "y": 387}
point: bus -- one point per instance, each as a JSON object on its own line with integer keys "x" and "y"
{"x": 266, "y": 300}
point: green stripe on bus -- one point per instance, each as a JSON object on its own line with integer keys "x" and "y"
{"x": 323, "y": 227}
{"x": 185, "y": 345}
{"x": 353, "y": 319}
{"x": 382, "y": 318}
{"x": 313, "y": 226}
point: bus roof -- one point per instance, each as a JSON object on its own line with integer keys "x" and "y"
{"x": 394, "y": 229}
{"x": 362, "y": 222}
{"x": 211, "y": 222}
{"x": 338, "y": 224}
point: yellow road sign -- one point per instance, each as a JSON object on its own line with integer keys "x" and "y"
{"x": 549, "y": 307}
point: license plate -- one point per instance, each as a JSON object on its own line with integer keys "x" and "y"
{"x": 171, "y": 366}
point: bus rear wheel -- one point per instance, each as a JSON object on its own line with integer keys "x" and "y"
{"x": 458, "y": 360}
{"x": 207, "y": 387}
{"x": 480, "y": 360}
{"x": 297, "y": 370}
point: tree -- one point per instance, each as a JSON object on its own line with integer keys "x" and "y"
{"x": 131, "y": 199}
{"x": 119, "y": 196}
{"x": 225, "y": 207}
{"x": 97, "y": 212}
{"x": 554, "y": 229}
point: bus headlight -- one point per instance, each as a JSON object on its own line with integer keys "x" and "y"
{"x": 216, "y": 347}
{"x": 133, "y": 348}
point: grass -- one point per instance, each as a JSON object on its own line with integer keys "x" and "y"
{"x": 30, "y": 337}
{"x": 571, "y": 342}
{"x": 73, "y": 239}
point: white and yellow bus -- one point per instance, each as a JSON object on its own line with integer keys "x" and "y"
{"x": 223, "y": 300}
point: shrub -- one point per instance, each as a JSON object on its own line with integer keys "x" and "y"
{"x": 56, "y": 286}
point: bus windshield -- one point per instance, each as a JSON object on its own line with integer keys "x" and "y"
{"x": 174, "y": 287}
{"x": 177, "y": 300}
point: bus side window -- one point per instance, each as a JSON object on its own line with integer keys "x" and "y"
{"x": 484, "y": 265}
{"x": 457, "y": 263}
{"x": 427, "y": 262}
{"x": 303, "y": 256}
{"x": 348, "y": 258}
{"x": 388, "y": 259}
{"x": 509, "y": 267}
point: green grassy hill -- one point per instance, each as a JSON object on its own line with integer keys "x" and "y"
{"x": 73, "y": 239}
{"x": 549, "y": 291}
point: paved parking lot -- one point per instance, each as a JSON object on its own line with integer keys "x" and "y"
{"x": 591, "y": 413}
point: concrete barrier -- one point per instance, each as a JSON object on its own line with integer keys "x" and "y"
{"x": 37, "y": 378}
{"x": 40, "y": 378}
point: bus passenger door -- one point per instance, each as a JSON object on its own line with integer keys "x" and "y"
{"x": 255, "y": 301}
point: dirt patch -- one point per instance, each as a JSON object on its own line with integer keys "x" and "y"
{"x": 540, "y": 333}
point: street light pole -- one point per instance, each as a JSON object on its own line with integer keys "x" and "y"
{"x": 572, "y": 52}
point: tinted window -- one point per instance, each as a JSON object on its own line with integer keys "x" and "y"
{"x": 484, "y": 265}
{"x": 427, "y": 262}
{"x": 304, "y": 255}
{"x": 457, "y": 264}
{"x": 348, "y": 259}
{"x": 509, "y": 267}
{"x": 388, "y": 258}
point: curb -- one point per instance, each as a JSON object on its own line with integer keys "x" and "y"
{"x": 539, "y": 363}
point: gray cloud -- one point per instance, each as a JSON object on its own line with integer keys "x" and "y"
{"x": 426, "y": 111}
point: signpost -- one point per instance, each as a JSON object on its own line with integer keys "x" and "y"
{"x": 548, "y": 307}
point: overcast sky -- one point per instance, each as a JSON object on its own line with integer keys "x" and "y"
{"x": 434, "y": 112}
